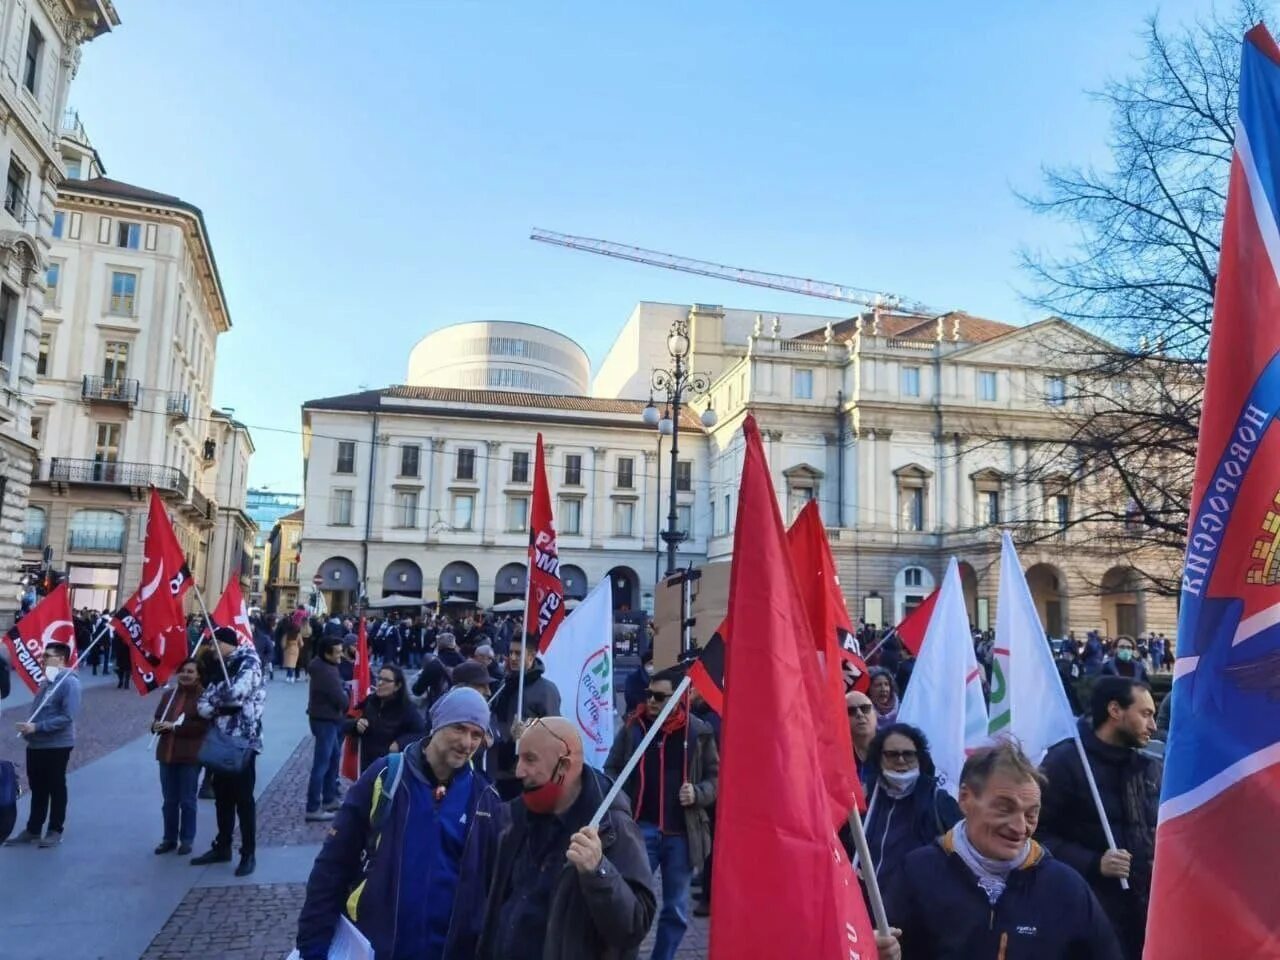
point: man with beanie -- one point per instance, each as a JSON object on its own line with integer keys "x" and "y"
{"x": 425, "y": 808}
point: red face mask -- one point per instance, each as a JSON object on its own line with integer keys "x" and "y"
{"x": 543, "y": 799}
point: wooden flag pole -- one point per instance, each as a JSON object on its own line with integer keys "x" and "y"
{"x": 868, "y": 873}
{"x": 209, "y": 623}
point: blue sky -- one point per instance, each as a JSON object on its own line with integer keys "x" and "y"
{"x": 370, "y": 171}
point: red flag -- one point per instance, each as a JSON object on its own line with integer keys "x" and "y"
{"x": 151, "y": 621}
{"x": 545, "y": 610}
{"x": 912, "y": 629}
{"x": 231, "y": 612}
{"x": 780, "y": 876}
{"x": 815, "y": 572}
{"x": 48, "y": 621}
{"x": 361, "y": 682}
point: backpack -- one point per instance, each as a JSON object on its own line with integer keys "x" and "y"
{"x": 8, "y": 798}
{"x": 384, "y": 793}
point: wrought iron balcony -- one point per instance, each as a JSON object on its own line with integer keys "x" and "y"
{"x": 204, "y": 506}
{"x": 118, "y": 473}
{"x": 178, "y": 405}
{"x": 109, "y": 390}
{"x": 95, "y": 541}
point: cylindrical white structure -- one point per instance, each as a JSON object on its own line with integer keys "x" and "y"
{"x": 500, "y": 355}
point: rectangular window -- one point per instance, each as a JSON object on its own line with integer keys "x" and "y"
{"x": 915, "y": 508}
{"x": 911, "y": 381}
{"x": 124, "y": 290}
{"x": 573, "y": 470}
{"x": 73, "y": 169}
{"x": 626, "y": 473}
{"x": 464, "y": 505}
{"x": 684, "y": 518}
{"x": 624, "y": 517}
{"x": 466, "y": 464}
{"x": 59, "y": 224}
{"x": 340, "y": 508}
{"x": 15, "y": 190}
{"x": 292, "y": 573}
{"x": 107, "y": 448}
{"x": 1055, "y": 391}
{"x": 406, "y": 508}
{"x": 517, "y": 514}
{"x": 1062, "y": 509}
{"x": 409, "y": 460}
{"x": 115, "y": 361}
{"x": 31, "y": 63}
{"x": 991, "y": 502}
{"x": 728, "y": 515}
{"x": 986, "y": 385}
{"x": 520, "y": 466}
{"x": 570, "y": 517}
{"x": 802, "y": 384}
{"x": 128, "y": 235}
{"x": 42, "y": 358}
{"x": 51, "y": 278}
{"x": 684, "y": 475}
{"x": 37, "y": 427}
{"x": 8, "y": 313}
{"x": 346, "y": 457}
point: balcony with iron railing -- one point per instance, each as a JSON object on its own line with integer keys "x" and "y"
{"x": 118, "y": 473}
{"x": 202, "y": 504}
{"x": 95, "y": 541}
{"x": 178, "y": 405}
{"x": 71, "y": 126}
{"x": 110, "y": 390}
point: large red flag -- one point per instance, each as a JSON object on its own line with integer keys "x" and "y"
{"x": 151, "y": 621}
{"x": 47, "y": 622}
{"x": 362, "y": 680}
{"x": 914, "y": 625}
{"x": 781, "y": 876}
{"x": 815, "y": 572}
{"x": 545, "y": 610}
{"x": 231, "y": 612}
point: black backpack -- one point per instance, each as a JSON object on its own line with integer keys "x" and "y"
{"x": 8, "y": 799}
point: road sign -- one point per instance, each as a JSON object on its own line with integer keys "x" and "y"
{"x": 317, "y": 579}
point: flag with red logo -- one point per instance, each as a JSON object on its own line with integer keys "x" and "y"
{"x": 232, "y": 612}
{"x": 47, "y": 622}
{"x": 362, "y": 681}
{"x": 151, "y": 621}
{"x": 781, "y": 875}
{"x": 545, "y": 609}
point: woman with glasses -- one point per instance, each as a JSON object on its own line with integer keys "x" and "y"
{"x": 387, "y": 719}
{"x": 909, "y": 808}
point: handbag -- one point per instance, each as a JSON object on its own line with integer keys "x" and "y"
{"x": 223, "y": 753}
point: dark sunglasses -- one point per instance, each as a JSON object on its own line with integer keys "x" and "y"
{"x": 899, "y": 756}
{"x": 658, "y": 697}
{"x": 862, "y": 708}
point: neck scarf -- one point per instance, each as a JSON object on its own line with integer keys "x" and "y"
{"x": 992, "y": 875}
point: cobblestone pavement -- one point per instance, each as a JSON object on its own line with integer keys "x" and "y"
{"x": 109, "y": 718}
{"x": 283, "y": 805}
{"x": 249, "y": 922}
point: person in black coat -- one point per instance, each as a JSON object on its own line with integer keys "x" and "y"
{"x": 1122, "y": 722}
{"x": 386, "y": 720}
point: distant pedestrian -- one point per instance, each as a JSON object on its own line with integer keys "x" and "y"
{"x": 50, "y": 738}
{"x": 541, "y": 699}
{"x": 326, "y": 708}
{"x": 181, "y": 730}
{"x": 1126, "y": 662}
{"x": 123, "y": 662}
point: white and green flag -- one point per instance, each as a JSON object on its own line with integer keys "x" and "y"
{"x": 579, "y": 662}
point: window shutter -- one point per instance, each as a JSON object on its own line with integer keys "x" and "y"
{"x": 73, "y": 231}
{"x": 104, "y": 229}
{"x": 150, "y": 242}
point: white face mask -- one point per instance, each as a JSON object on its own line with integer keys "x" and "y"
{"x": 898, "y": 785}
{"x": 51, "y": 673}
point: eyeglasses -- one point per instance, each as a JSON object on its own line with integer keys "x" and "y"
{"x": 658, "y": 697}
{"x": 861, "y": 708}
{"x": 899, "y": 756}
{"x": 386, "y": 679}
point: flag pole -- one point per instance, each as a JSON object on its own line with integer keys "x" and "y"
{"x": 164, "y": 716}
{"x": 524, "y": 635}
{"x": 652, "y": 732}
{"x": 868, "y": 873}
{"x": 208, "y": 620}
{"x": 1097, "y": 801}
{"x": 66, "y": 673}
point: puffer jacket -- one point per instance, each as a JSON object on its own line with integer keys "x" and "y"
{"x": 246, "y": 690}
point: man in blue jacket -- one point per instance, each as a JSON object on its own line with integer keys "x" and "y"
{"x": 986, "y": 889}
{"x": 409, "y": 857}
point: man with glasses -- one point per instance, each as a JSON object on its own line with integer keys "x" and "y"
{"x": 670, "y": 790}
{"x": 50, "y": 738}
{"x": 862, "y": 726}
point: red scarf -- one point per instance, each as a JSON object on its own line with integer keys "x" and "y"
{"x": 676, "y": 721}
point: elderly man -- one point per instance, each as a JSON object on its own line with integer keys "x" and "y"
{"x": 427, "y": 808}
{"x": 986, "y": 889}
{"x": 563, "y": 890}
{"x": 862, "y": 726}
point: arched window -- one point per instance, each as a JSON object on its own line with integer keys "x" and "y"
{"x": 96, "y": 531}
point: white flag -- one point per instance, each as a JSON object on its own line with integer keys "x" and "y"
{"x": 1027, "y": 699}
{"x": 944, "y": 698}
{"x": 580, "y": 663}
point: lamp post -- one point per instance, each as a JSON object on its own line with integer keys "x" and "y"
{"x": 679, "y": 384}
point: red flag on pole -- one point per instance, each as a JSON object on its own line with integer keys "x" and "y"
{"x": 544, "y": 610}
{"x": 781, "y": 876}
{"x": 912, "y": 629}
{"x": 48, "y": 621}
{"x": 231, "y": 612}
{"x": 706, "y": 673}
{"x": 815, "y": 571}
{"x": 361, "y": 682}
{"x": 151, "y": 621}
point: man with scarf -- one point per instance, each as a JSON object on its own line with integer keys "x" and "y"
{"x": 564, "y": 890}
{"x": 541, "y": 699}
{"x": 670, "y": 790}
{"x": 1122, "y": 722}
{"x": 986, "y": 889}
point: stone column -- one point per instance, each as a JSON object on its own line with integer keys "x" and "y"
{"x": 489, "y": 509}
{"x": 437, "y": 495}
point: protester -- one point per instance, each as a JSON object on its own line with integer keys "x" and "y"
{"x": 234, "y": 704}
{"x": 670, "y": 790}
{"x": 484, "y": 656}
{"x": 180, "y": 730}
{"x": 702, "y": 710}
{"x": 1126, "y": 662}
{"x": 386, "y": 720}
{"x": 635, "y": 689}
{"x": 541, "y": 699}
{"x": 417, "y": 845}
{"x": 600, "y": 904}
{"x": 447, "y": 650}
{"x": 884, "y": 694}
{"x": 862, "y": 728}
{"x": 123, "y": 662}
{"x": 326, "y": 708}
{"x": 293, "y": 638}
{"x": 1121, "y": 723}
{"x": 50, "y": 738}
{"x": 986, "y": 889}
{"x": 909, "y": 809}
{"x": 265, "y": 644}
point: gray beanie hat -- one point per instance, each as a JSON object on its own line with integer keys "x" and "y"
{"x": 460, "y": 705}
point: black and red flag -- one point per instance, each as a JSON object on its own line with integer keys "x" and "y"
{"x": 48, "y": 621}
{"x": 544, "y": 611}
{"x": 706, "y": 673}
{"x": 151, "y": 622}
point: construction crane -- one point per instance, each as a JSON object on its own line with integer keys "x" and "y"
{"x": 756, "y": 278}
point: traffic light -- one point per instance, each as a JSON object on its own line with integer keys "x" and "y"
{"x": 49, "y": 581}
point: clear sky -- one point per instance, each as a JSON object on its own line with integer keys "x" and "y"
{"x": 370, "y": 171}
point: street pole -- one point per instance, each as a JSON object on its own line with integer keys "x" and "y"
{"x": 657, "y": 518}
{"x": 673, "y": 536}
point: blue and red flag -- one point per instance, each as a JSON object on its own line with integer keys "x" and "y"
{"x": 1218, "y": 841}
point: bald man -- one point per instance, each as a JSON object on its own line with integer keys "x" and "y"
{"x": 562, "y": 890}
{"x": 862, "y": 725}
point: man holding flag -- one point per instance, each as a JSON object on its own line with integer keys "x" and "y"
{"x": 50, "y": 734}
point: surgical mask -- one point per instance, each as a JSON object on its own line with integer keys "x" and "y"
{"x": 51, "y": 673}
{"x": 543, "y": 799}
{"x": 1124, "y": 653}
{"x": 898, "y": 785}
